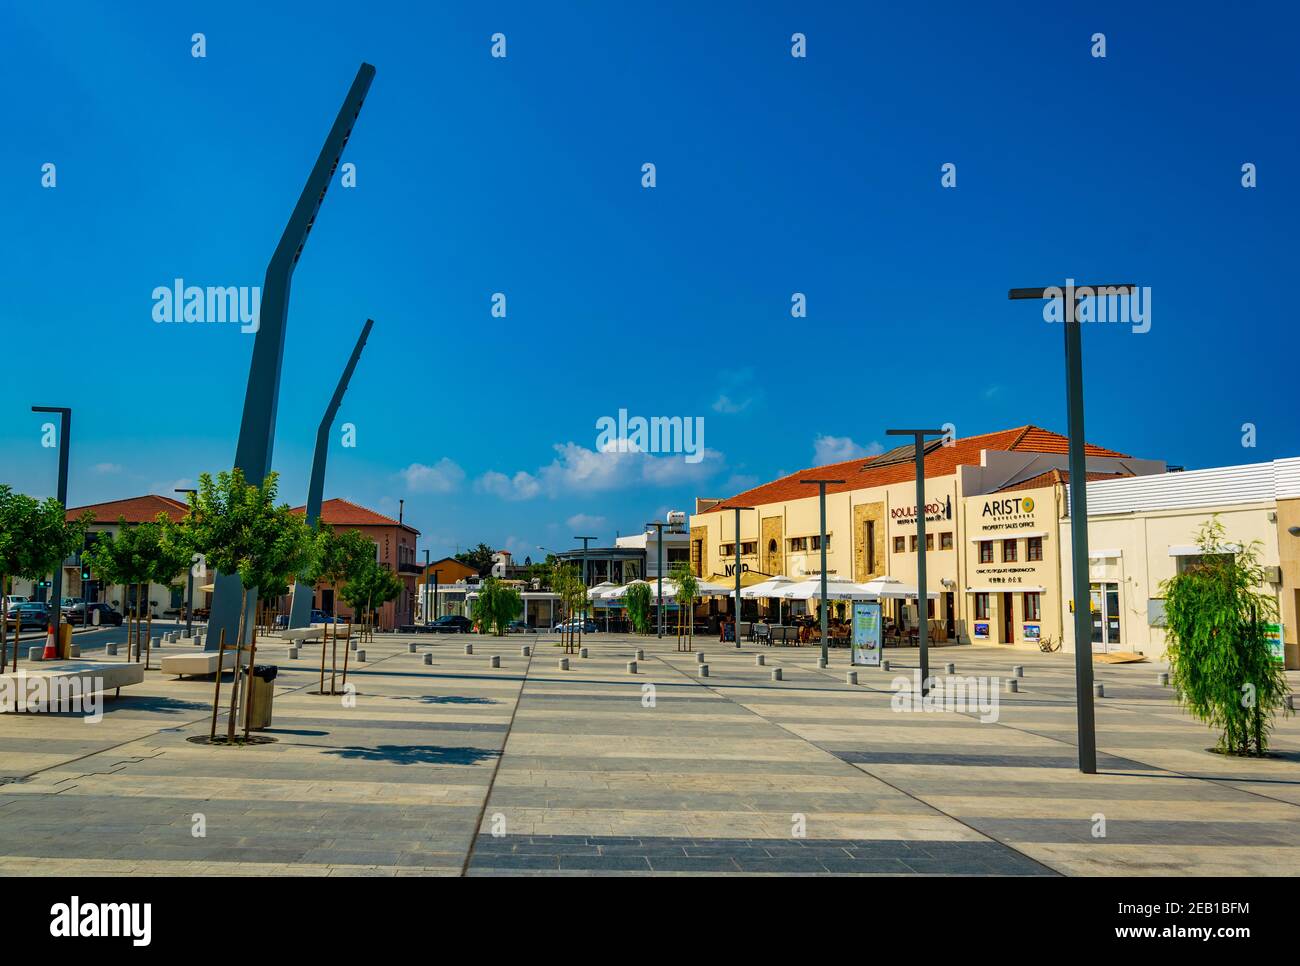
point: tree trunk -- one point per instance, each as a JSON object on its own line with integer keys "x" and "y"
{"x": 148, "y": 634}
{"x": 18, "y": 635}
{"x": 347, "y": 648}
{"x": 334, "y": 639}
{"x": 248, "y": 686}
{"x": 4, "y": 625}
{"x": 216, "y": 697}
{"x": 234, "y": 686}
{"x": 324, "y": 642}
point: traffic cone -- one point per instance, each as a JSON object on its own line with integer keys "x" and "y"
{"x": 51, "y": 654}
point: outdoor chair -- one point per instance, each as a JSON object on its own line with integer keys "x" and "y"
{"x": 761, "y": 633}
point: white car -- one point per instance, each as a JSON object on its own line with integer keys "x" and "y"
{"x": 13, "y": 600}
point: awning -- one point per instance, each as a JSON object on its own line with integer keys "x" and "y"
{"x": 1104, "y": 554}
{"x": 1009, "y": 535}
{"x": 1006, "y": 589}
{"x": 1191, "y": 550}
{"x": 748, "y": 578}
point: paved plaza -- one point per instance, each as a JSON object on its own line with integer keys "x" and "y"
{"x": 459, "y": 768}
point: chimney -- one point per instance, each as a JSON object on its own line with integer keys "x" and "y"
{"x": 401, "y": 508}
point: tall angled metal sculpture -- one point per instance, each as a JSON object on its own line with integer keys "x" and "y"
{"x": 257, "y": 429}
{"x": 300, "y": 613}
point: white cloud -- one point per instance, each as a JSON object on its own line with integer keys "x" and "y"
{"x": 442, "y": 477}
{"x": 738, "y": 391}
{"x": 837, "y": 449}
{"x": 585, "y": 521}
{"x": 578, "y": 470}
{"x": 726, "y": 404}
{"x": 521, "y": 486}
{"x": 104, "y": 469}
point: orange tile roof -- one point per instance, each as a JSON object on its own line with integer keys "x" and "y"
{"x": 1052, "y": 477}
{"x": 136, "y": 509}
{"x": 344, "y": 513}
{"x": 941, "y": 461}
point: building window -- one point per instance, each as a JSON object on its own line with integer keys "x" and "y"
{"x": 986, "y": 551}
{"x": 981, "y": 607}
{"x": 1008, "y": 551}
{"x": 748, "y": 548}
{"x": 1034, "y": 548}
{"x": 945, "y": 540}
{"x": 870, "y": 542}
{"x": 911, "y": 542}
{"x": 929, "y": 542}
{"x": 1033, "y": 607}
{"x": 900, "y": 544}
{"x": 798, "y": 544}
{"x": 727, "y": 549}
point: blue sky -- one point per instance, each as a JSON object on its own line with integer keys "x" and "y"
{"x": 522, "y": 175}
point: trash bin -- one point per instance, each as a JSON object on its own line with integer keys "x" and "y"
{"x": 261, "y": 695}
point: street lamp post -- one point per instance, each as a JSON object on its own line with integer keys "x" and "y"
{"x": 424, "y": 607}
{"x": 585, "y": 583}
{"x": 738, "y": 509}
{"x": 659, "y": 571}
{"x": 825, "y": 614}
{"x": 65, "y": 428}
{"x": 1071, "y": 295}
{"x": 922, "y": 589}
{"x": 189, "y": 584}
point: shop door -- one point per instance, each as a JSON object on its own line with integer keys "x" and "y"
{"x": 1008, "y": 619}
{"x": 1103, "y": 600}
{"x": 949, "y": 616}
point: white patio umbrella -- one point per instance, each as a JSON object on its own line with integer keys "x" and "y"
{"x": 889, "y": 588}
{"x": 599, "y": 594}
{"x": 768, "y": 588}
{"x": 618, "y": 593}
{"x": 837, "y": 588}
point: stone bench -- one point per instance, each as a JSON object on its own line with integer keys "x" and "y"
{"x": 198, "y": 663}
{"x": 96, "y": 676}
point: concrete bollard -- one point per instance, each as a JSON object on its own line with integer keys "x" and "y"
{"x": 1013, "y": 686}
{"x": 851, "y": 677}
{"x": 410, "y": 648}
{"x": 187, "y": 634}
{"x": 496, "y": 661}
{"x": 699, "y": 657}
{"x": 738, "y": 645}
{"x": 354, "y": 644}
{"x": 631, "y": 667}
{"x": 760, "y": 660}
{"x": 361, "y": 657}
{"x": 157, "y": 642}
{"x": 525, "y": 651}
{"x": 821, "y": 663}
{"x": 884, "y": 665}
{"x": 293, "y": 654}
{"x": 776, "y": 674}
{"x": 1162, "y": 679}
{"x": 950, "y": 668}
{"x": 1018, "y": 670}
{"x": 36, "y": 653}
{"x": 1293, "y": 701}
{"x": 564, "y": 664}
{"x": 1099, "y": 690}
{"x": 428, "y": 658}
{"x": 640, "y": 654}
{"x": 469, "y": 648}
{"x": 704, "y": 670}
{"x": 582, "y": 652}
{"x": 111, "y": 650}
{"x": 74, "y": 650}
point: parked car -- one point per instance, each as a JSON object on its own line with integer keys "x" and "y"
{"x": 85, "y": 614}
{"x": 320, "y": 617}
{"x": 33, "y": 613}
{"x": 451, "y": 624}
{"x": 13, "y": 600}
{"x": 72, "y": 602}
{"x": 575, "y": 624}
{"x": 517, "y": 627}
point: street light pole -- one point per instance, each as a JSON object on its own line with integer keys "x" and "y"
{"x": 825, "y": 615}
{"x": 738, "y": 509}
{"x": 922, "y": 588}
{"x": 586, "y": 582}
{"x": 659, "y": 570}
{"x": 1071, "y": 297}
{"x": 424, "y": 608}
{"x": 189, "y": 584}
{"x": 65, "y": 428}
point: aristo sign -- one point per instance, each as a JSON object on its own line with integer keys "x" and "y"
{"x": 1008, "y": 507}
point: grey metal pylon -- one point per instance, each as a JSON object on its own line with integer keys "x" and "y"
{"x": 257, "y": 428}
{"x": 300, "y": 613}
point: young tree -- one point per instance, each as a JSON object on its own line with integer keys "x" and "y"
{"x": 368, "y": 591}
{"x": 35, "y": 538}
{"x": 497, "y": 605}
{"x": 127, "y": 558}
{"x": 1217, "y": 644}
{"x": 240, "y": 530}
{"x": 480, "y": 558}
{"x": 339, "y": 557}
{"x": 637, "y": 600}
{"x": 687, "y": 589}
